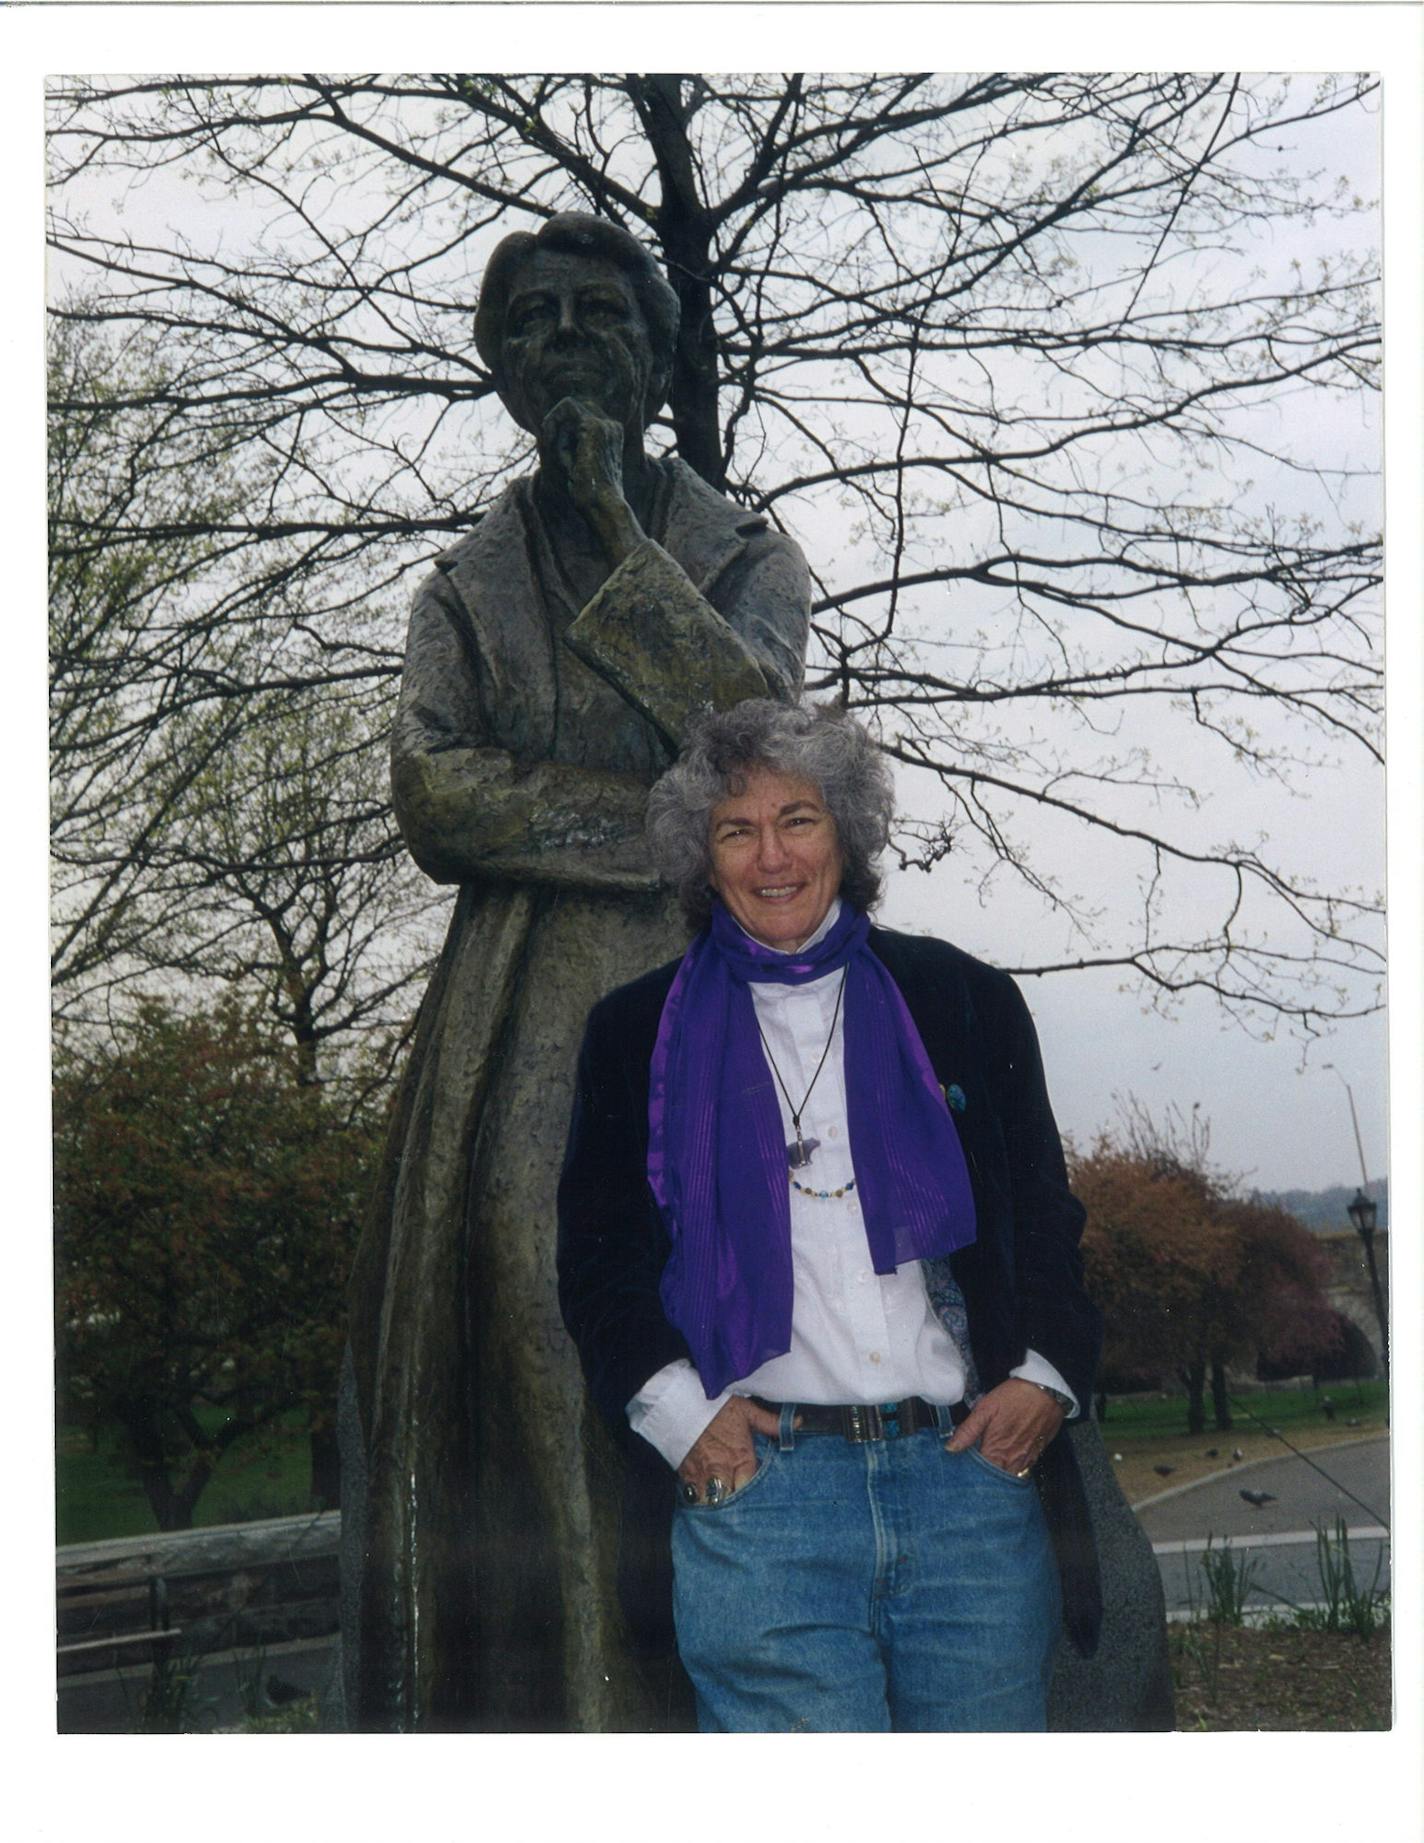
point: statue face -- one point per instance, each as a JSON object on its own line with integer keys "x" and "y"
{"x": 573, "y": 328}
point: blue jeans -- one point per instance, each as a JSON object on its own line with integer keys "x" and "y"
{"x": 889, "y": 1586}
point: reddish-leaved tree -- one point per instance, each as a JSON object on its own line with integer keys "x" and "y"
{"x": 206, "y": 1207}
{"x": 1190, "y": 1278}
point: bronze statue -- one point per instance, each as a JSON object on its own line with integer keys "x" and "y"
{"x": 554, "y": 655}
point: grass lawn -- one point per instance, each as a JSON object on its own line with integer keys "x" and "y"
{"x": 1146, "y": 1431}
{"x": 267, "y": 1475}
{"x": 1141, "y": 1417}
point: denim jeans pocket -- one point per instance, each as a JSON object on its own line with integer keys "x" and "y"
{"x": 997, "y": 1471}
{"x": 767, "y": 1452}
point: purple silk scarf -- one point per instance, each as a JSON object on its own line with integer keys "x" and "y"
{"x": 717, "y": 1152}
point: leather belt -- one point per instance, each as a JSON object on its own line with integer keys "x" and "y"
{"x": 862, "y": 1421}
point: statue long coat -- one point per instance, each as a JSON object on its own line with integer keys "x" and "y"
{"x": 482, "y": 1504}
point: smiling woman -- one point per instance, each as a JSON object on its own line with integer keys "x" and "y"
{"x": 776, "y": 860}
{"x": 816, "y": 755}
{"x": 772, "y": 1228}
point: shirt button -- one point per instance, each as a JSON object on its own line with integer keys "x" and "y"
{"x": 831, "y": 1133}
{"x": 875, "y": 1356}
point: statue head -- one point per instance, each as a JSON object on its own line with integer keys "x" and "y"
{"x": 588, "y": 301}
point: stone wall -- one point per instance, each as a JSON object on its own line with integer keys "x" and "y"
{"x": 1348, "y": 1284}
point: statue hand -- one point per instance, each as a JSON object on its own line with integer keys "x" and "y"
{"x": 582, "y": 453}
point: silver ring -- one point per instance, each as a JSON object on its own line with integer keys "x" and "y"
{"x": 689, "y": 1494}
{"x": 716, "y": 1490}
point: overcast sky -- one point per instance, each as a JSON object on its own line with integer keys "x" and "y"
{"x": 1277, "y": 1117}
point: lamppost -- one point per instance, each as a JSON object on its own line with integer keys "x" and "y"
{"x": 1363, "y": 1212}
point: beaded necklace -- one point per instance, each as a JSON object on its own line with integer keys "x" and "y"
{"x": 798, "y": 1156}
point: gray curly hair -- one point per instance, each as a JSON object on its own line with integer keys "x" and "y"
{"x": 817, "y": 743}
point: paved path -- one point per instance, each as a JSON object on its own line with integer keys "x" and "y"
{"x": 1278, "y": 1536}
{"x": 1303, "y": 1496}
{"x": 111, "y": 1701}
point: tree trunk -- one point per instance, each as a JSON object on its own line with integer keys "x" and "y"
{"x": 1194, "y": 1378}
{"x": 172, "y": 1509}
{"x": 325, "y": 1468}
{"x": 684, "y": 231}
{"x": 1220, "y": 1400}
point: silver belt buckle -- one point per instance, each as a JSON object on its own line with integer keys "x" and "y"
{"x": 863, "y": 1423}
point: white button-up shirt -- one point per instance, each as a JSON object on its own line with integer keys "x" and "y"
{"x": 856, "y": 1336}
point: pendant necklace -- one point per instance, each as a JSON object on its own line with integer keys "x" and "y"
{"x": 798, "y": 1156}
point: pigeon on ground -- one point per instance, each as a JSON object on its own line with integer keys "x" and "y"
{"x": 1258, "y": 1498}
{"x": 1117, "y": 1458}
{"x": 1211, "y": 1452}
{"x": 1236, "y": 1453}
{"x": 1164, "y": 1471}
{"x": 1327, "y": 1407}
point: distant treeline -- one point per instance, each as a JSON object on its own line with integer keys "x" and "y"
{"x": 1326, "y": 1210}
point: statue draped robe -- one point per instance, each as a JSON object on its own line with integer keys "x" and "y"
{"x": 481, "y": 1493}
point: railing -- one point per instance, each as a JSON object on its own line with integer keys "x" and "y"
{"x": 140, "y": 1598}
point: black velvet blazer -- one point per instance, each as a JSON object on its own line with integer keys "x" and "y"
{"x": 1021, "y": 1277}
